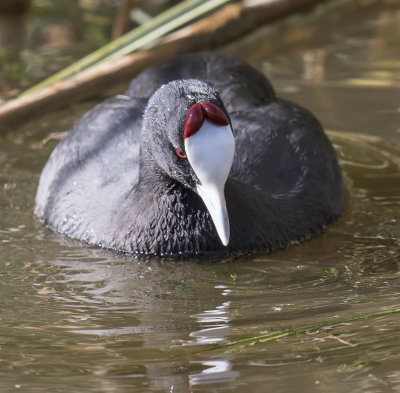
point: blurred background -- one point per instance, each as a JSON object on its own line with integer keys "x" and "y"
{"x": 40, "y": 37}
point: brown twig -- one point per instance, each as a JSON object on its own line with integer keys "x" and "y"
{"x": 341, "y": 341}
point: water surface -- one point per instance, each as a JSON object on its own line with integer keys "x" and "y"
{"x": 76, "y": 318}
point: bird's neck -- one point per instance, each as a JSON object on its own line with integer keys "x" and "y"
{"x": 165, "y": 219}
{"x": 151, "y": 176}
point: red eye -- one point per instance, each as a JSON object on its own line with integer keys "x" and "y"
{"x": 180, "y": 154}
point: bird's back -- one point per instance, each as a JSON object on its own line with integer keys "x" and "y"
{"x": 285, "y": 183}
{"x": 239, "y": 85}
{"x": 91, "y": 169}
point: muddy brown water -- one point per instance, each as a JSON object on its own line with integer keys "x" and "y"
{"x": 78, "y": 319}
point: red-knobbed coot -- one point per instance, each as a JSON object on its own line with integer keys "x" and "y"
{"x": 199, "y": 158}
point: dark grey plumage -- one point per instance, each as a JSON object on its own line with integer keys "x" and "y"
{"x": 113, "y": 184}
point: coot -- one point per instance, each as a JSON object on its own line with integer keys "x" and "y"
{"x": 198, "y": 158}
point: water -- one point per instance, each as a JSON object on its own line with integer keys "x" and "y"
{"x": 75, "y": 318}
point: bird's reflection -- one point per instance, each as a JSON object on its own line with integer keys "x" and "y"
{"x": 216, "y": 371}
{"x": 157, "y": 308}
{"x": 215, "y": 323}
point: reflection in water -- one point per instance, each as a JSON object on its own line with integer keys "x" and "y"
{"x": 141, "y": 295}
{"x": 215, "y": 322}
{"x": 111, "y": 285}
{"x": 217, "y": 371}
